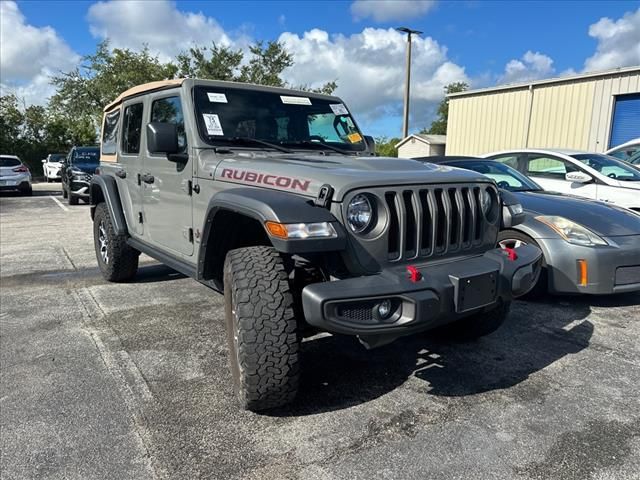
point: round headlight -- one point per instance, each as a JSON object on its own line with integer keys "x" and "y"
{"x": 485, "y": 201}
{"x": 359, "y": 213}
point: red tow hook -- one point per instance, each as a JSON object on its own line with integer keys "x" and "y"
{"x": 414, "y": 274}
{"x": 511, "y": 253}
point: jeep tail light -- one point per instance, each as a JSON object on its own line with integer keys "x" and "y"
{"x": 21, "y": 169}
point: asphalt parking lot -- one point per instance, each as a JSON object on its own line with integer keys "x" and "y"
{"x": 130, "y": 381}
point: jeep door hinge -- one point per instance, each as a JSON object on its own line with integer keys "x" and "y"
{"x": 191, "y": 188}
{"x": 140, "y": 218}
{"x": 190, "y": 235}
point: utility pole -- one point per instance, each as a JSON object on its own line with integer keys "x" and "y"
{"x": 405, "y": 124}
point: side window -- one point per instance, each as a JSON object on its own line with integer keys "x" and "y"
{"x": 548, "y": 166}
{"x": 169, "y": 110}
{"x": 132, "y": 128}
{"x": 511, "y": 160}
{"x": 110, "y": 132}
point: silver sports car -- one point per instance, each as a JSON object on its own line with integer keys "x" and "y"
{"x": 588, "y": 246}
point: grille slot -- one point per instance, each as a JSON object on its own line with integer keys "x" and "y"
{"x": 432, "y": 222}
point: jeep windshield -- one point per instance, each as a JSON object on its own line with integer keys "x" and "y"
{"x": 233, "y": 117}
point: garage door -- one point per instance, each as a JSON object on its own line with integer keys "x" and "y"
{"x": 626, "y": 119}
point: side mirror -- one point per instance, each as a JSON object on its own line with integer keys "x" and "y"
{"x": 370, "y": 142}
{"x": 44, "y": 160}
{"x": 512, "y": 211}
{"x": 578, "y": 177}
{"x": 162, "y": 138}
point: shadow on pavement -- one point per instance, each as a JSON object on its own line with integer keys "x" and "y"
{"x": 339, "y": 373}
{"x": 156, "y": 273}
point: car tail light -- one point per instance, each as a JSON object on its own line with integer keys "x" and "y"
{"x": 21, "y": 168}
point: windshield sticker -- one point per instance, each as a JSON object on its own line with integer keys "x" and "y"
{"x": 212, "y": 122}
{"x": 217, "y": 97}
{"x": 354, "y": 138}
{"x": 295, "y": 100}
{"x": 339, "y": 109}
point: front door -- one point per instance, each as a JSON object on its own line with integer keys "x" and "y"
{"x": 167, "y": 207}
{"x": 549, "y": 171}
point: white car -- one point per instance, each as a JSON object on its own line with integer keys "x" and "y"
{"x": 14, "y": 175}
{"x": 51, "y": 166}
{"x": 626, "y": 150}
{"x": 591, "y": 175}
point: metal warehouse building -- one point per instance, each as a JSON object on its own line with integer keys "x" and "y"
{"x": 594, "y": 112}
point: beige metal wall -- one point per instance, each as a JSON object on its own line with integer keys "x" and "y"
{"x": 571, "y": 114}
{"x": 415, "y": 148}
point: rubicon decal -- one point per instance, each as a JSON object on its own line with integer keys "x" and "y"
{"x": 247, "y": 176}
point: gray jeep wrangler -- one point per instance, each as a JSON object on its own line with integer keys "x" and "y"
{"x": 275, "y": 198}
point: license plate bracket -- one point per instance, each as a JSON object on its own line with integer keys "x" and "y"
{"x": 474, "y": 291}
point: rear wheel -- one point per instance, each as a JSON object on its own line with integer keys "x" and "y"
{"x": 262, "y": 331}
{"x": 118, "y": 261}
{"x": 64, "y": 192}
{"x": 26, "y": 190}
{"x": 515, "y": 239}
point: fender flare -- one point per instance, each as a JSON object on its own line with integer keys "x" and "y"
{"x": 105, "y": 188}
{"x": 272, "y": 205}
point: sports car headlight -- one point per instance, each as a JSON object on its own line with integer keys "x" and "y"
{"x": 359, "y": 213}
{"x": 572, "y": 232}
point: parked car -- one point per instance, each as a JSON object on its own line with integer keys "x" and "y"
{"x": 591, "y": 175}
{"x": 52, "y": 165}
{"x": 626, "y": 150}
{"x": 274, "y": 197}
{"x": 14, "y": 175}
{"x": 76, "y": 172}
{"x": 588, "y": 246}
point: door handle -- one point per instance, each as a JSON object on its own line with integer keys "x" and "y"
{"x": 147, "y": 178}
{"x": 121, "y": 174}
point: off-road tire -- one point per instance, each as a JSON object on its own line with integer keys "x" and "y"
{"x": 262, "y": 331}
{"x": 479, "y": 324}
{"x": 64, "y": 192}
{"x": 121, "y": 260}
{"x": 541, "y": 287}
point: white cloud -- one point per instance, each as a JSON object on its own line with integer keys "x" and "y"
{"x": 390, "y": 10}
{"x": 369, "y": 68}
{"x": 165, "y": 29}
{"x": 30, "y": 55}
{"x": 618, "y": 42}
{"x": 532, "y": 66}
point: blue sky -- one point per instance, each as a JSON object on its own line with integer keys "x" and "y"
{"x": 480, "y": 42}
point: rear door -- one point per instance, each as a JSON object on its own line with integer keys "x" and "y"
{"x": 165, "y": 184}
{"x": 549, "y": 171}
{"x": 130, "y": 161}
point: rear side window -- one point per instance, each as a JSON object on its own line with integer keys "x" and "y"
{"x": 510, "y": 160}
{"x": 9, "y": 162}
{"x": 110, "y": 133}
{"x": 169, "y": 110}
{"x": 132, "y": 128}
{"x": 548, "y": 166}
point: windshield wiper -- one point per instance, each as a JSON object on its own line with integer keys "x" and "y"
{"x": 322, "y": 144}
{"x": 259, "y": 142}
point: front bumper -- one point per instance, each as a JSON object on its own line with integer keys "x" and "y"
{"x": 610, "y": 269}
{"x": 446, "y": 292}
{"x": 79, "y": 186}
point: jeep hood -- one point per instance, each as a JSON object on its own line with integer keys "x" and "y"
{"x": 305, "y": 174}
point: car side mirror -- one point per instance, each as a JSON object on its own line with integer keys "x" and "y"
{"x": 370, "y": 142}
{"x": 162, "y": 138}
{"x": 512, "y": 211}
{"x": 578, "y": 177}
{"x": 44, "y": 160}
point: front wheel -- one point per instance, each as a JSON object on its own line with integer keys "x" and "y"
{"x": 262, "y": 331}
{"x": 118, "y": 261}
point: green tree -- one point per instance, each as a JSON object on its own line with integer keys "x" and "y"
{"x": 222, "y": 63}
{"x": 86, "y": 90}
{"x": 11, "y": 120}
{"x": 386, "y": 147}
{"x": 439, "y": 125}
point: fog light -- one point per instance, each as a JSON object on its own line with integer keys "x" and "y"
{"x": 384, "y": 309}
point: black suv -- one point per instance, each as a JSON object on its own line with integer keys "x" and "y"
{"x": 76, "y": 172}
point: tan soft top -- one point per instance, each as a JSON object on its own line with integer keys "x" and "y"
{"x": 145, "y": 87}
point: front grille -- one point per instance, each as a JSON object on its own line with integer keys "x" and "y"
{"x": 627, "y": 275}
{"x": 426, "y": 222}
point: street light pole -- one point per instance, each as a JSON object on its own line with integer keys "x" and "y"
{"x": 407, "y": 81}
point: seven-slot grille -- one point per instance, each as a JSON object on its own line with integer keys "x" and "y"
{"x": 425, "y": 222}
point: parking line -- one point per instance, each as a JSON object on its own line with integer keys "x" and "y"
{"x": 59, "y": 203}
